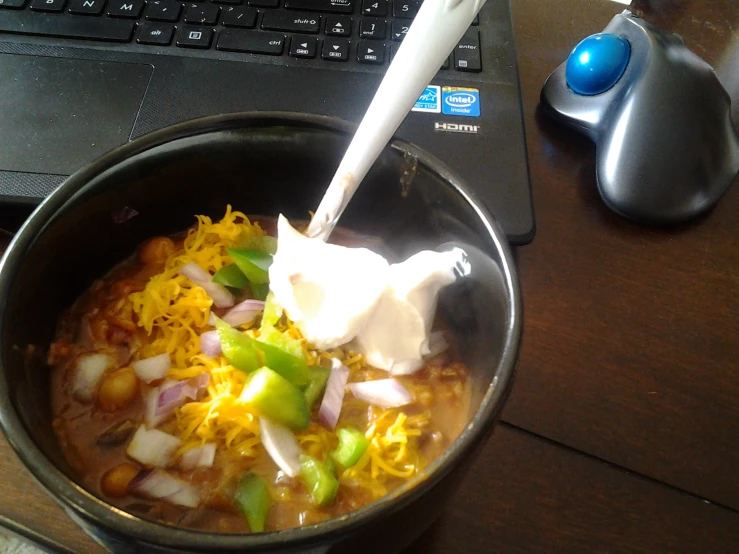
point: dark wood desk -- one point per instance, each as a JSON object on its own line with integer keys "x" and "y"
{"x": 622, "y": 432}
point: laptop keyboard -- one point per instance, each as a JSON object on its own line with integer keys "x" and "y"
{"x": 334, "y": 31}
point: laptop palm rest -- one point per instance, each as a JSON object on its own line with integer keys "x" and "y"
{"x": 57, "y": 115}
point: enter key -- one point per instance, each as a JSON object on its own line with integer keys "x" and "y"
{"x": 467, "y": 52}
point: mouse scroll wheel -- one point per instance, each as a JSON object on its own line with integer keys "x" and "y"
{"x": 597, "y": 63}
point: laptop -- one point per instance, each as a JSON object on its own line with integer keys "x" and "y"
{"x": 80, "y": 77}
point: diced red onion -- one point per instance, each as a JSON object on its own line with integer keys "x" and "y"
{"x": 333, "y": 397}
{"x": 152, "y": 447}
{"x": 162, "y": 401}
{"x": 174, "y": 396}
{"x": 437, "y": 343}
{"x": 210, "y": 344}
{"x": 158, "y": 484}
{"x": 243, "y": 312}
{"x": 406, "y": 367}
{"x": 200, "y": 456}
{"x": 281, "y": 445}
{"x": 123, "y": 214}
{"x": 222, "y": 298}
{"x": 212, "y": 319}
{"x": 88, "y": 371}
{"x": 385, "y": 393}
{"x": 151, "y": 369}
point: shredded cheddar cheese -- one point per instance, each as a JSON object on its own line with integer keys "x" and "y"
{"x": 173, "y": 312}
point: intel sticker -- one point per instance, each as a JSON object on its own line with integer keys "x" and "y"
{"x": 429, "y": 101}
{"x": 460, "y": 101}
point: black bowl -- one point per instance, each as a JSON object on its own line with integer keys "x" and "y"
{"x": 262, "y": 164}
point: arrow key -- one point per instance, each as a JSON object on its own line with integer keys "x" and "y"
{"x": 371, "y": 52}
{"x": 374, "y": 7}
{"x": 399, "y": 29}
{"x": 338, "y": 26}
{"x": 335, "y": 49}
{"x": 303, "y": 47}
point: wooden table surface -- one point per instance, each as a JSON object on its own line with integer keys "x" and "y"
{"x": 622, "y": 431}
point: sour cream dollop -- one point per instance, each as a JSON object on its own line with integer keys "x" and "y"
{"x": 335, "y": 294}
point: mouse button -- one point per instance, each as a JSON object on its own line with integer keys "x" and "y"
{"x": 583, "y": 113}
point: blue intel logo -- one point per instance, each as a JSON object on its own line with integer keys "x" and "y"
{"x": 461, "y": 101}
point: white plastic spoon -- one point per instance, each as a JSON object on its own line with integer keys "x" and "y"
{"x": 435, "y": 32}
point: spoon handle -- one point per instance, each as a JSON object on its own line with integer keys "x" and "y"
{"x": 435, "y": 32}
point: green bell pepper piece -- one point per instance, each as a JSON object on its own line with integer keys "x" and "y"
{"x": 253, "y": 500}
{"x": 231, "y": 276}
{"x": 277, "y": 398}
{"x": 352, "y": 446}
{"x": 321, "y": 483}
{"x": 318, "y": 379}
{"x": 252, "y": 263}
{"x": 259, "y": 292}
{"x": 272, "y": 312}
{"x": 278, "y": 339}
{"x": 266, "y": 244}
{"x": 237, "y": 348}
{"x": 331, "y": 466}
{"x": 248, "y": 354}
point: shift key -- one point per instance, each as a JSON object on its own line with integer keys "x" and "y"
{"x": 467, "y": 52}
{"x": 255, "y": 42}
{"x": 291, "y": 22}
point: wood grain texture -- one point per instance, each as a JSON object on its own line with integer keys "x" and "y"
{"x": 527, "y": 495}
{"x": 631, "y": 334}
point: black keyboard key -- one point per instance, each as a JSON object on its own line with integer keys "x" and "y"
{"x": 264, "y": 3}
{"x": 399, "y": 29}
{"x": 85, "y": 28}
{"x": 303, "y": 47}
{"x": 155, "y": 33}
{"x": 255, "y": 42}
{"x": 12, "y": 4}
{"x": 163, "y": 10}
{"x": 202, "y": 14}
{"x": 86, "y": 7}
{"x": 405, "y": 8}
{"x": 328, "y": 6}
{"x": 374, "y": 7}
{"x": 372, "y": 28}
{"x": 243, "y": 17}
{"x": 371, "y": 52}
{"x": 47, "y": 5}
{"x": 467, "y": 52}
{"x": 126, "y": 8}
{"x": 292, "y": 22}
{"x": 194, "y": 37}
{"x": 228, "y": 2}
{"x": 339, "y": 26}
{"x": 335, "y": 49}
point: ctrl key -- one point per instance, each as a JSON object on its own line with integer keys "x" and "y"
{"x": 155, "y": 33}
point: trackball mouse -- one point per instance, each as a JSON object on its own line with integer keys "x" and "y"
{"x": 666, "y": 148}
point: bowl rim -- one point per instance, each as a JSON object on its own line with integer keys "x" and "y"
{"x": 71, "y": 495}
